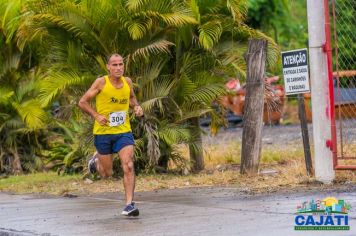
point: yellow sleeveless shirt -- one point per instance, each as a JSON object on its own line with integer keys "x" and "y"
{"x": 113, "y": 103}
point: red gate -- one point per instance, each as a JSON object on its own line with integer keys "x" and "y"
{"x": 340, "y": 47}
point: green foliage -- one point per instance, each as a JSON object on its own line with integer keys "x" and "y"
{"x": 285, "y": 20}
{"x": 346, "y": 37}
{"x": 69, "y": 154}
{"x": 178, "y": 54}
{"x": 23, "y": 120}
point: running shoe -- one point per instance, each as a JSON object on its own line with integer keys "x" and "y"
{"x": 130, "y": 210}
{"x": 92, "y": 164}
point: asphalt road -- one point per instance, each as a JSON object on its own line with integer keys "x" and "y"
{"x": 191, "y": 211}
{"x": 281, "y": 135}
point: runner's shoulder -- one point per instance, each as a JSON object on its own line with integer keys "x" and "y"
{"x": 100, "y": 82}
{"x": 128, "y": 80}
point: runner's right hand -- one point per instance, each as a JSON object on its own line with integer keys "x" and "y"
{"x": 101, "y": 119}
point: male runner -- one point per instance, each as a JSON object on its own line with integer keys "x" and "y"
{"x": 112, "y": 130}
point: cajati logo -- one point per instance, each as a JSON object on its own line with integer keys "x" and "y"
{"x": 327, "y": 214}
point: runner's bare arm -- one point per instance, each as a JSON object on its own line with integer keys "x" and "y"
{"x": 88, "y": 96}
{"x": 133, "y": 101}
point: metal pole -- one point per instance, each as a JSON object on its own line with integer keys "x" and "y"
{"x": 328, "y": 51}
{"x": 323, "y": 157}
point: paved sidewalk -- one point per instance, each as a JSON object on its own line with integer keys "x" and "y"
{"x": 192, "y": 211}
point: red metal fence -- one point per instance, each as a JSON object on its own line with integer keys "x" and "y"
{"x": 340, "y": 47}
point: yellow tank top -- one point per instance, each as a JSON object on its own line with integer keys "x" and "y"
{"x": 113, "y": 103}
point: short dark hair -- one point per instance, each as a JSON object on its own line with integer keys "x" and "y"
{"x": 112, "y": 55}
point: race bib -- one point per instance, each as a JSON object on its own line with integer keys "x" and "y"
{"x": 117, "y": 118}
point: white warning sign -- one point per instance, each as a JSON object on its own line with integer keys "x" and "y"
{"x": 295, "y": 71}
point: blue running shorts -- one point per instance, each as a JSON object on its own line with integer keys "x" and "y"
{"x": 112, "y": 143}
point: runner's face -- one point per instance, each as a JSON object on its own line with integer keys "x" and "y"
{"x": 116, "y": 66}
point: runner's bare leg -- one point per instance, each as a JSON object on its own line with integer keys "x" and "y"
{"x": 126, "y": 158}
{"x": 104, "y": 165}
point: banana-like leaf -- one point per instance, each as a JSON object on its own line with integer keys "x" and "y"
{"x": 31, "y": 113}
{"x": 174, "y": 134}
{"x": 209, "y": 34}
{"x": 207, "y": 94}
{"x": 57, "y": 82}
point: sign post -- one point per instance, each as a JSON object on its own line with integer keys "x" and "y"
{"x": 296, "y": 81}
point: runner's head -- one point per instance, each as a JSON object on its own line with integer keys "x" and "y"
{"x": 115, "y": 65}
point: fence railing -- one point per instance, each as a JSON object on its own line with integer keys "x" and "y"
{"x": 343, "y": 42}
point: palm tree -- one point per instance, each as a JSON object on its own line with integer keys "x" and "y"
{"x": 23, "y": 119}
{"x": 177, "y": 52}
{"x": 209, "y": 46}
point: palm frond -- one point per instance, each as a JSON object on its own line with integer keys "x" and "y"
{"x": 70, "y": 17}
{"x": 146, "y": 73}
{"x": 210, "y": 6}
{"x": 25, "y": 88}
{"x": 11, "y": 63}
{"x": 273, "y": 50}
{"x": 178, "y": 18}
{"x": 154, "y": 94}
{"x": 230, "y": 55}
{"x": 134, "y": 5}
{"x": 172, "y": 12}
{"x": 194, "y": 111}
{"x": 152, "y": 48}
{"x": 10, "y": 12}
{"x": 206, "y": 94}
{"x": 31, "y": 113}
{"x": 185, "y": 88}
{"x": 57, "y": 82}
{"x": 209, "y": 34}
{"x": 61, "y": 22}
{"x": 69, "y": 158}
{"x": 11, "y": 124}
{"x": 137, "y": 30}
{"x": 238, "y": 9}
{"x": 202, "y": 78}
{"x": 174, "y": 134}
{"x": 3, "y": 117}
{"x": 6, "y": 94}
{"x": 69, "y": 133}
{"x": 191, "y": 63}
{"x": 195, "y": 9}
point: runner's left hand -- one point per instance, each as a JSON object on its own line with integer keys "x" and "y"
{"x": 138, "y": 111}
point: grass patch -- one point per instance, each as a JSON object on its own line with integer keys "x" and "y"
{"x": 222, "y": 154}
{"x": 52, "y": 183}
{"x": 222, "y": 169}
{"x": 231, "y": 154}
{"x": 274, "y": 155}
{"x": 40, "y": 183}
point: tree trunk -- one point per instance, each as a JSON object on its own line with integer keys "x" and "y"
{"x": 16, "y": 163}
{"x": 196, "y": 148}
{"x": 253, "y": 113}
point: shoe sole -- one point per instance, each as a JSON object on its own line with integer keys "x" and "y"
{"x": 90, "y": 170}
{"x": 89, "y": 164}
{"x": 135, "y": 212}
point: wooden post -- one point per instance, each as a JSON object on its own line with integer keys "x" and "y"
{"x": 305, "y": 135}
{"x": 253, "y": 112}
{"x": 196, "y": 147}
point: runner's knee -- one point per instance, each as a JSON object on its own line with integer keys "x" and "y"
{"x": 128, "y": 167}
{"x": 109, "y": 173}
